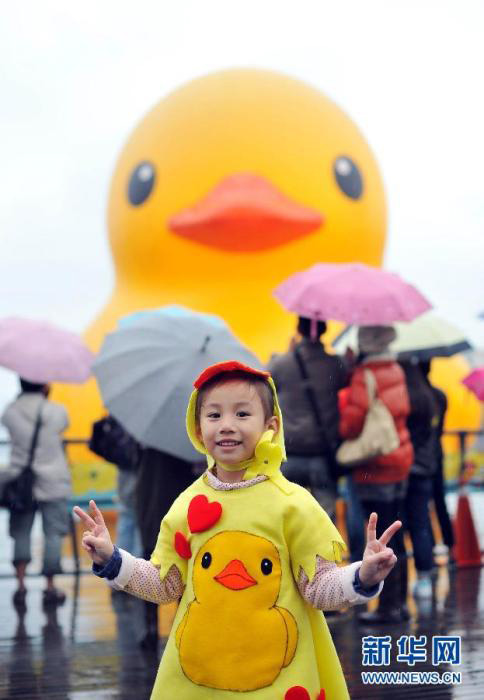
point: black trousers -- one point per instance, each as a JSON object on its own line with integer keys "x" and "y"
{"x": 161, "y": 479}
{"x": 441, "y": 507}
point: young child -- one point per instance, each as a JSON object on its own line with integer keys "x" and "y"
{"x": 250, "y": 556}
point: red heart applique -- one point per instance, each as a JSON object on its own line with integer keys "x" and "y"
{"x": 182, "y": 546}
{"x": 297, "y": 692}
{"x": 202, "y": 514}
{"x": 322, "y": 695}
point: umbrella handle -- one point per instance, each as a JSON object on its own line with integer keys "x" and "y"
{"x": 205, "y": 343}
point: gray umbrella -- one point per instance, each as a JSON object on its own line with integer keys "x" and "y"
{"x": 146, "y": 369}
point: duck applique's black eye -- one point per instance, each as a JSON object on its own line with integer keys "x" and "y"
{"x": 206, "y": 560}
{"x": 266, "y": 566}
{"x": 348, "y": 177}
{"x": 141, "y": 183}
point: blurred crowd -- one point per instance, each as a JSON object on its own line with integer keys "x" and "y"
{"x": 325, "y": 401}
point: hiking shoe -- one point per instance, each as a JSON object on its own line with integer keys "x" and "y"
{"x": 53, "y": 597}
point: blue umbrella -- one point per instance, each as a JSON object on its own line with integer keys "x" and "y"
{"x": 173, "y": 311}
{"x": 146, "y": 368}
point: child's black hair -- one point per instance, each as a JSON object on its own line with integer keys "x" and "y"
{"x": 259, "y": 383}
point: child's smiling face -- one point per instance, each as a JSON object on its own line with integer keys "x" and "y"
{"x": 232, "y": 421}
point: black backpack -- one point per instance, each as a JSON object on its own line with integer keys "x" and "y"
{"x": 113, "y": 443}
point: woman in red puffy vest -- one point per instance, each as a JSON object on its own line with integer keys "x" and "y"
{"x": 381, "y": 482}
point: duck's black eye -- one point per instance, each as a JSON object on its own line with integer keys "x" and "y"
{"x": 141, "y": 183}
{"x": 266, "y": 566}
{"x": 348, "y": 177}
{"x": 206, "y": 560}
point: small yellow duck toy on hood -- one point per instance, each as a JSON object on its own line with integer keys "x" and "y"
{"x": 242, "y": 628}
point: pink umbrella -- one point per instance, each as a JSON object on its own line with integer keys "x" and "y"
{"x": 41, "y": 352}
{"x": 475, "y": 382}
{"x": 349, "y": 292}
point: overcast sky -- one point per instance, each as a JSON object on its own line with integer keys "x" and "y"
{"x": 75, "y": 78}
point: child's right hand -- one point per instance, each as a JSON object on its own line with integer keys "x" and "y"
{"x": 96, "y": 540}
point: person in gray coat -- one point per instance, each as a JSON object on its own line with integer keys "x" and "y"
{"x": 52, "y": 485}
{"x": 308, "y": 379}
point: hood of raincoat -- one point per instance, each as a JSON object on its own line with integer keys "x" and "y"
{"x": 270, "y": 451}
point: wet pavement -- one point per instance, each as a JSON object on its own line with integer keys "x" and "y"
{"x": 90, "y": 646}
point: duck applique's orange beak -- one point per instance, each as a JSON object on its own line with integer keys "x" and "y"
{"x": 245, "y": 213}
{"x": 235, "y": 576}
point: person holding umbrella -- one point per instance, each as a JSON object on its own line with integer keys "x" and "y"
{"x": 308, "y": 379}
{"x": 373, "y": 299}
{"x": 425, "y": 424}
{"x": 40, "y": 353}
{"x": 416, "y": 344}
{"x": 381, "y": 482}
{"x": 35, "y": 425}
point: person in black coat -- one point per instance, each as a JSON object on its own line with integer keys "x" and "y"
{"x": 308, "y": 379}
{"x": 438, "y": 481}
{"x": 161, "y": 479}
{"x": 423, "y": 424}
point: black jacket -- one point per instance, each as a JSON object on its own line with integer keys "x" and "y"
{"x": 327, "y": 375}
{"x": 425, "y": 421}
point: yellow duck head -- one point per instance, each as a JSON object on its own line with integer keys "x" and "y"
{"x": 229, "y": 185}
{"x": 234, "y": 568}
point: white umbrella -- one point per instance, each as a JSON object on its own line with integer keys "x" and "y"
{"x": 423, "y": 338}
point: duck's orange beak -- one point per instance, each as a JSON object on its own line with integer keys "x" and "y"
{"x": 235, "y": 576}
{"x": 245, "y": 213}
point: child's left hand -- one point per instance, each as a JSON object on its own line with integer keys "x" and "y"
{"x": 378, "y": 559}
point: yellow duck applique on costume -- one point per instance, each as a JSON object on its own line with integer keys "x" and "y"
{"x": 233, "y": 635}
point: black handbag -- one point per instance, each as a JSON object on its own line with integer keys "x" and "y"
{"x": 113, "y": 443}
{"x": 18, "y": 494}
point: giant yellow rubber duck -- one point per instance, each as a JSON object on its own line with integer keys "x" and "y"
{"x": 236, "y": 581}
{"x": 227, "y": 186}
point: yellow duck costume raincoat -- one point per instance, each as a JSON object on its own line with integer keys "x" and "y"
{"x": 242, "y": 629}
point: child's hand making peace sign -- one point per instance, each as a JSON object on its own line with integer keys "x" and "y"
{"x": 96, "y": 540}
{"x": 378, "y": 559}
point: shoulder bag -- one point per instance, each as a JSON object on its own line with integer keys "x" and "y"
{"x": 378, "y": 436}
{"x": 18, "y": 494}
